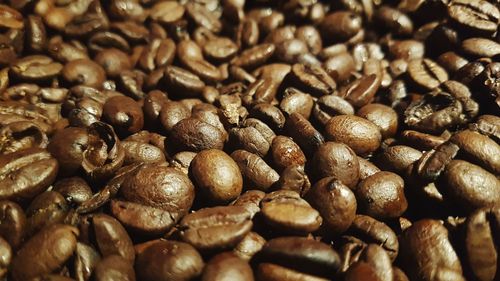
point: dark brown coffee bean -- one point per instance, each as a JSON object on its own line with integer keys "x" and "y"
{"x": 220, "y": 227}
{"x": 157, "y": 54}
{"x": 451, "y": 61}
{"x": 269, "y": 114}
{"x": 273, "y": 272}
{"x": 335, "y": 202}
{"x": 333, "y": 159}
{"x": 471, "y": 186}
{"x": 182, "y": 82}
{"x": 250, "y": 200}
{"x": 340, "y": 26}
{"x": 340, "y": 66}
{"x": 167, "y": 12}
{"x": 113, "y": 61}
{"x": 36, "y": 68}
{"x": 36, "y": 39}
{"x": 421, "y": 140}
{"x": 22, "y": 135}
{"x": 216, "y": 175}
{"x": 48, "y": 250}
{"x": 173, "y": 196}
{"x": 426, "y": 74}
{"x": 13, "y": 224}
{"x": 227, "y": 266}
{"x": 301, "y": 254}
{"x": 46, "y": 209}
{"x": 382, "y": 195}
{"x": 114, "y": 267}
{"x": 312, "y": 79}
{"x": 370, "y": 230}
{"x": 67, "y": 146}
{"x": 285, "y": 211}
{"x": 203, "y": 17}
{"x": 480, "y": 247}
{"x": 255, "y": 56}
{"x": 75, "y": 190}
{"x": 361, "y": 135}
{"x": 249, "y": 246}
{"x": 164, "y": 260}
{"x": 303, "y": 132}
{"x": 196, "y": 135}
{"x": 286, "y": 152}
{"x": 407, "y": 50}
{"x": 427, "y": 253}
{"x": 481, "y": 47}
{"x": 381, "y": 115}
{"x": 11, "y": 18}
{"x": 6, "y": 257}
{"x": 124, "y": 114}
{"x": 366, "y": 168}
{"x": 251, "y": 139}
{"x": 394, "y": 20}
{"x": 478, "y": 149}
{"x": 26, "y": 173}
{"x": 255, "y": 170}
{"x": 398, "y": 158}
{"x": 297, "y": 101}
{"x": 479, "y": 16}
{"x": 84, "y": 72}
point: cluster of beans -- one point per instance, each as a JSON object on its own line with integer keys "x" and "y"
{"x": 270, "y": 140}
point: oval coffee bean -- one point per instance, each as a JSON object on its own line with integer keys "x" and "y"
{"x": 227, "y": 266}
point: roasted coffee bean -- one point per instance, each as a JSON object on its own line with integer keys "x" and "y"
{"x": 256, "y": 172}
{"x": 335, "y": 202}
{"x": 361, "y": 91}
{"x": 74, "y": 189}
{"x": 360, "y": 134}
{"x": 286, "y": 152}
{"x": 398, "y": 158}
{"x": 250, "y": 200}
{"x": 167, "y": 12}
{"x": 138, "y": 210}
{"x": 340, "y": 26}
{"x": 249, "y": 246}
{"x": 26, "y": 173}
{"x": 382, "y": 195}
{"x": 36, "y": 68}
{"x": 163, "y": 260}
{"x": 216, "y": 175}
{"x": 113, "y": 61}
{"x": 366, "y": 168}
{"x": 285, "y": 211}
{"x": 196, "y": 135}
{"x": 46, "y": 209}
{"x": 477, "y": 16}
{"x": 297, "y": 101}
{"x": 480, "y": 244}
{"x": 312, "y": 79}
{"x": 340, "y": 66}
{"x": 182, "y": 82}
{"x": 301, "y": 254}
{"x": 220, "y": 227}
{"x": 471, "y": 186}
{"x": 21, "y": 135}
{"x": 227, "y": 266}
{"x": 114, "y": 267}
{"x": 13, "y": 225}
{"x": 333, "y": 159}
{"x": 427, "y": 253}
{"x": 47, "y": 251}
{"x": 381, "y": 115}
{"x": 126, "y": 121}
{"x": 478, "y": 149}
{"x": 157, "y": 54}
{"x": 426, "y": 73}
{"x": 84, "y": 72}
{"x": 303, "y": 132}
{"x": 394, "y": 20}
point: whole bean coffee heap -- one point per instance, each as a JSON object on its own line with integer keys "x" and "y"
{"x": 235, "y": 140}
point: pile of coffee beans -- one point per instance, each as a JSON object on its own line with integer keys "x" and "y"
{"x": 268, "y": 140}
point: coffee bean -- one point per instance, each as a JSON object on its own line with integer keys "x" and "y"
{"x": 36, "y": 68}
{"x": 426, "y": 73}
{"x": 382, "y": 116}
{"x": 164, "y": 260}
{"x": 196, "y": 135}
{"x": 333, "y": 159}
{"x": 479, "y": 240}
{"x": 398, "y": 158}
{"x": 303, "y": 132}
{"x": 382, "y": 195}
{"x": 255, "y": 170}
{"x": 249, "y": 246}
{"x": 481, "y": 47}
{"x": 250, "y": 200}
{"x": 361, "y": 135}
{"x": 301, "y": 254}
{"x": 285, "y": 211}
{"x": 478, "y": 16}
{"x": 227, "y": 266}
{"x": 46, "y": 209}
{"x": 126, "y": 121}
{"x": 113, "y": 61}
{"x": 220, "y": 227}
{"x": 427, "y": 252}
{"x": 340, "y": 25}
{"x": 112, "y": 267}
{"x": 13, "y": 225}
{"x": 394, "y": 20}
{"x": 312, "y": 79}
{"x": 46, "y": 251}
{"x": 335, "y": 202}
{"x": 297, "y": 101}
{"x": 217, "y": 175}
{"x": 340, "y": 66}
{"x": 478, "y": 149}
{"x": 111, "y": 238}
{"x": 84, "y": 72}
{"x": 255, "y": 56}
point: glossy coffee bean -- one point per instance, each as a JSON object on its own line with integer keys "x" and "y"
{"x": 227, "y": 266}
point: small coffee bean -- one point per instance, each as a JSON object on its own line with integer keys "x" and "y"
{"x": 249, "y": 246}
{"x": 216, "y": 175}
{"x": 46, "y": 209}
{"x": 382, "y": 195}
{"x": 361, "y": 91}
{"x": 335, "y": 202}
{"x": 227, "y": 266}
{"x": 84, "y": 72}
{"x": 427, "y": 252}
{"x": 112, "y": 238}
{"x": 124, "y": 114}
{"x": 382, "y": 116}
{"x": 340, "y": 25}
{"x": 426, "y": 73}
{"x": 303, "y": 132}
{"x": 196, "y": 135}
{"x": 285, "y": 211}
{"x": 13, "y": 225}
{"x": 113, "y": 61}
{"x": 286, "y": 152}
{"x": 333, "y": 159}
{"x": 361, "y": 135}
{"x": 478, "y": 15}
{"x": 113, "y": 267}
{"x": 220, "y": 227}
{"x": 250, "y": 200}
{"x": 256, "y": 172}
{"x": 164, "y": 260}
{"x": 398, "y": 158}
{"x": 45, "y": 252}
